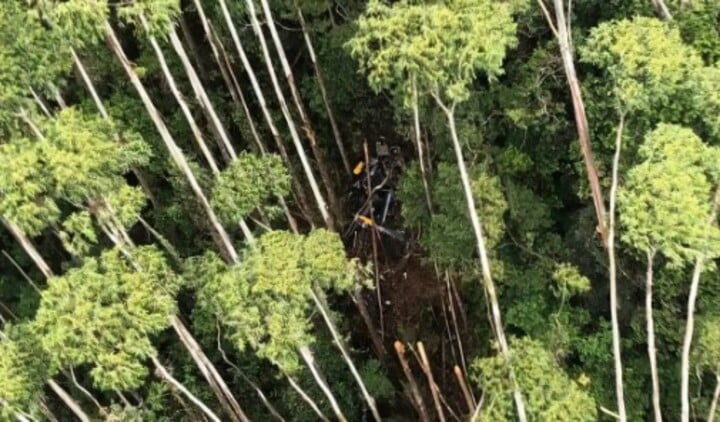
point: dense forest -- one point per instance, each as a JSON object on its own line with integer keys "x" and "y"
{"x": 358, "y": 210}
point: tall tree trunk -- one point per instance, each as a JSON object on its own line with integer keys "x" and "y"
{"x": 662, "y": 9}
{"x": 197, "y": 134}
{"x": 690, "y": 324}
{"x": 223, "y": 239}
{"x": 419, "y": 146}
{"x": 563, "y": 37}
{"x": 652, "y": 355}
{"x": 323, "y": 92}
{"x": 165, "y": 375}
{"x": 320, "y": 380}
{"x": 319, "y": 199}
{"x": 68, "y": 400}
{"x": 304, "y": 395}
{"x": 488, "y": 282}
{"x": 310, "y": 134}
{"x": 238, "y": 98}
{"x": 299, "y": 190}
{"x": 619, "y": 386}
{"x": 417, "y": 398}
{"x": 322, "y": 306}
{"x": 201, "y": 94}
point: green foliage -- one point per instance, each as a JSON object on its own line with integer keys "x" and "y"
{"x": 446, "y": 236}
{"x": 104, "y": 313}
{"x": 440, "y": 46}
{"x": 644, "y": 57}
{"x": 666, "y": 200}
{"x": 550, "y": 395}
{"x": 22, "y": 370}
{"x": 248, "y": 183}
{"x": 265, "y": 301}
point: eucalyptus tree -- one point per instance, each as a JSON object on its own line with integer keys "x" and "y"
{"x": 444, "y": 45}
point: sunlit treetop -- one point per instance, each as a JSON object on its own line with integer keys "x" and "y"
{"x": 266, "y": 301}
{"x": 104, "y": 313}
{"x": 442, "y": 45}
{"x": 666, "y": 200}
{"x": 645, "y": 58}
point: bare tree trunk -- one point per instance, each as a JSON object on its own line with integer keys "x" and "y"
{"x": 419, "y": 146}
{"x": 187, "y": 35}
{"x": 690, "y": 324}
{"x": 488, "y": 282}
{"x": 318, "y": 153}
{"x": 224, "y": 242}
{"x": 619, "y": 386}
{"x": 662, "y": 9}
{"x": 713, "y": 404}
{"x": 319, "y": 199}
{"x": 651, "y": 336}
{"x": 216, "y": 381}
{"x": 29, "y": 248}
{"x": 581, "y": 122}
{"x": 165, "y": 375}
{"x": 307, "y": 398}
{"x": 302, "y": 199}
{"x": 310, "y": 361}
{"x": 69, "y": 402}
{"x": 323, "y": 93}
{"x": 322, "y": 307}
{"x": 201, "y": 95}
{"x": 197, "y": 134}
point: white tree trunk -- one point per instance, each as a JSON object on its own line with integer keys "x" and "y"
{"x": 419, "y": 146}
{"x": 177, "y": 155}
{"x": 319, "y": 199}
{"x": 323, "y": 93}
{"x": 166, "y": 376}
{"x": 652, "y": 354}
{"x": 488, "y": 282}
{"x": 201, "y": 94}
{"x": 619, "y": 386}
{"x": 690, "y": 324}
{"x": 197, "y": 134}
{"x": 310, "y": 361}
{"x": 714, "y": 403}
{"x": 321, "y": 305}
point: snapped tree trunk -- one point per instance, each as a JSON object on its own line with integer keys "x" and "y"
{"x": 581, "y": 122}
{"x": 222, "y": 239}
{"x": 619, "y": 386}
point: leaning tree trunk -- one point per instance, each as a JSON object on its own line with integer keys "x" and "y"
{"x": 302, "y": 199}
{"x": 310, "y": 361}
{"x": 319, "y": 199}
{"x": 714, "y": 403}
{"x": 197, "y": 134}
{"x": 323, "y": 92}
{"x": 165, "y": 375}
{"x": 690, "y": 324}
{"x": 619, "y": 386}
{"x": 650, "y": 322}
{"x": 318, "y": 153}
{"x": 488, "y": 282}
{"x": 223, "y": 240}
{"x": 581, "y": 121}
{"x": 201, "y": 94}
